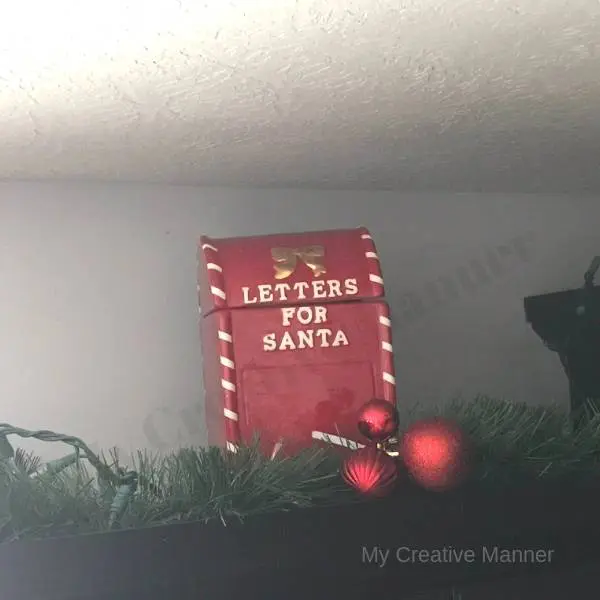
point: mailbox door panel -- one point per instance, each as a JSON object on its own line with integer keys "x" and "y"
{"x": 289, "y": 403}
{"x": 309, "y": 368}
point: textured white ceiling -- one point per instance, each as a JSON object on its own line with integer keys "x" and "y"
{"x": 494, "y": 95}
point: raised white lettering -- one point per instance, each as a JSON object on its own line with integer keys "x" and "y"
{"x": 301, "y": 288}
{"x": 324, "y": 335}
{"x": 351, "y": 287}
{"x": 319, "y": 288}
{"x": 246, "y": 296}
{"x": 335, "y": 288}
{"x": 266, "y": 293}
{"x": 320, "y": 314}
{"x": 287, "y": 314}
{"x": 340, "y": 339}
{"x": 305, "y": 315}
{"x": 306, "y": 338}
{"x": 269, "y": 343}
{"x": 287, "y": 342}
{"x": 281, "y": 289}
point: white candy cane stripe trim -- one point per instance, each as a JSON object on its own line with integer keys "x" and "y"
{"x": 215, "y": 291}
{"x": 231, "y": 415}
{"x": 336, "y": 440}
{"x": 216, "y": 288}
{"x": 385, "y": 321}
{"x": 226, "y": 362}
{"x": 386, "y": 358}
{"x": 227, "y": 385}
{"x": 225, "y": 337}
{"x": 228, "y": 379}
{"x": 232, "y": 447}
{"x": 389, "y": 378}
{"x": 373, "y": 266}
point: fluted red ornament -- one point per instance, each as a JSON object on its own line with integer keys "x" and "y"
{"x": 435, "y": 453}
{"x": 378, "y": 420}
{"x": 370, "y": 471}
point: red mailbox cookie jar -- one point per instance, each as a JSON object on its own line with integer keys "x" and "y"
{"x": 295, "y": 336}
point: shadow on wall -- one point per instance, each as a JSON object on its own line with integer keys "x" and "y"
{"x": 465, "y": 281}
{"x": 167, "y": 427}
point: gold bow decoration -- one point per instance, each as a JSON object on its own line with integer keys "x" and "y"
{"x": 286, "y": 260}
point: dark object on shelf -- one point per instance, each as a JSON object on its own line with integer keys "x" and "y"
{"x": 547, "y": 529}
{"x": 569, "y": 323}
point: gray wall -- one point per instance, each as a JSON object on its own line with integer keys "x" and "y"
{"x": 98, "y": 296}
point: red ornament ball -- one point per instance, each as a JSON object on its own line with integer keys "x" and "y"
{"x": 435, "y": 453}
{"x": 378, "y": 420}
{"x": 370, "y": 471}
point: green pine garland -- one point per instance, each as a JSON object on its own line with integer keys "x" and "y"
{"x": 83, "y": 492}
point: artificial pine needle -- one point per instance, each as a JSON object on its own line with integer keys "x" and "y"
{"x": 511, "y": 442}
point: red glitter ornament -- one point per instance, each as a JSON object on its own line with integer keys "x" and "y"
{"x": 378, "y": 420}
{"x": 370, "y": 471}
{"x": 435, "y": 453}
